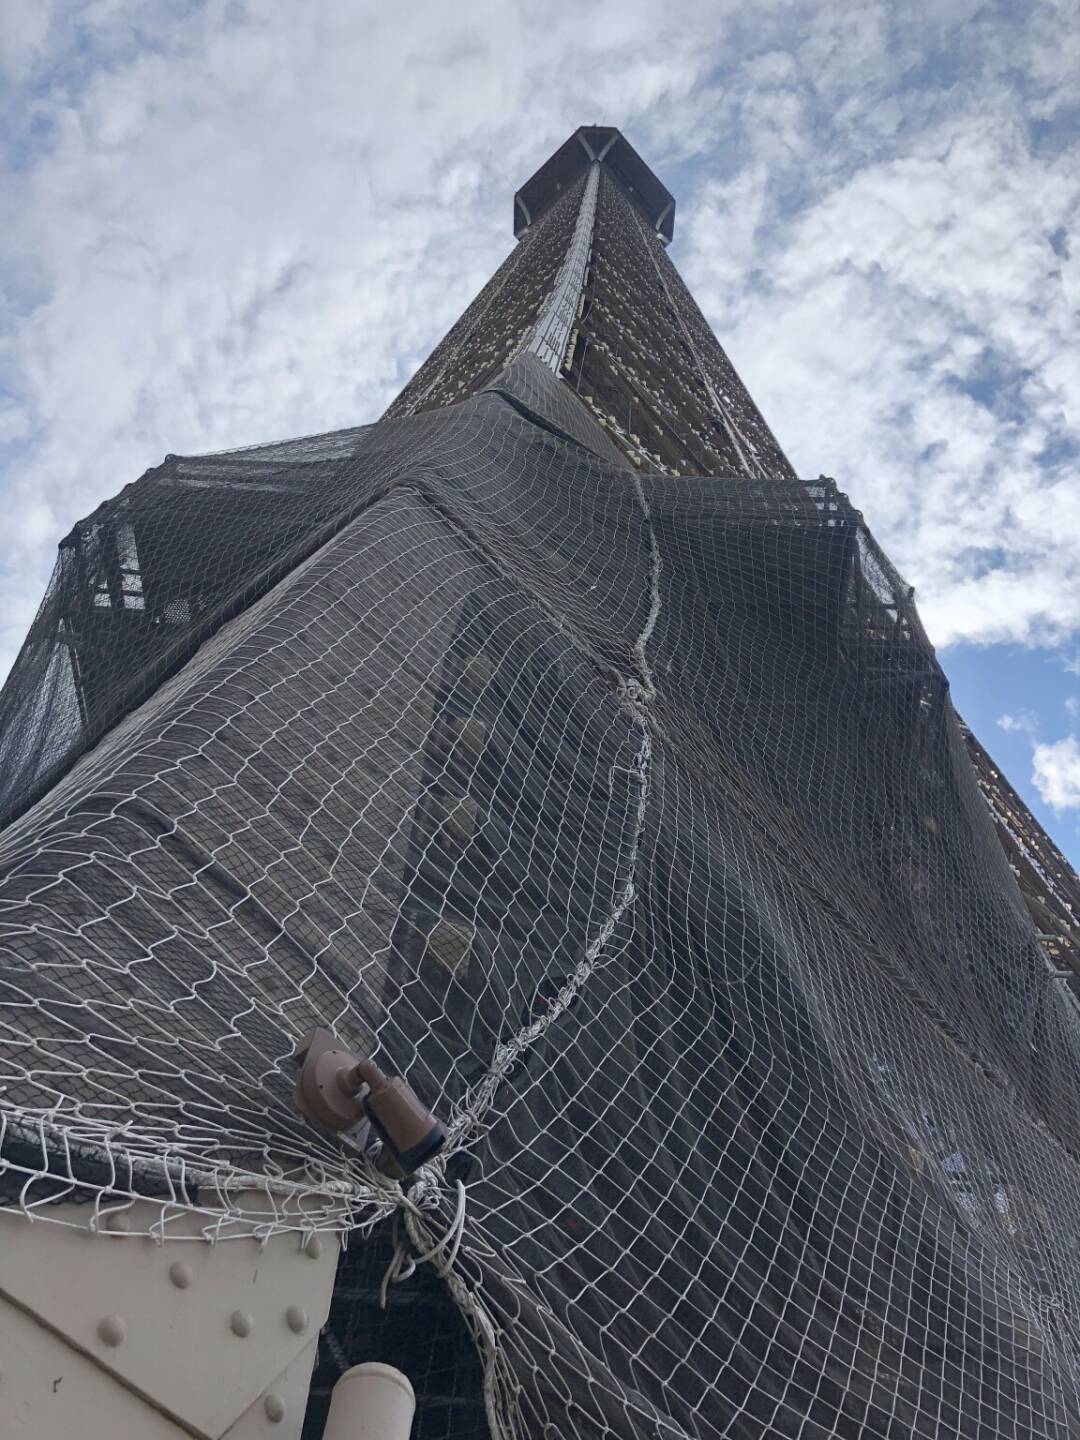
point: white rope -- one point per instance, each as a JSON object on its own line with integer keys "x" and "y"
{"x": 402, "y": 1264}
{"x": 635, "y": 696}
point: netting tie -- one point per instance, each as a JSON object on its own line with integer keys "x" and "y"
{"x": 402, "y": 1264}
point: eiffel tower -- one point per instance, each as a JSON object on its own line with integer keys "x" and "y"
{"x": 555, "y": 744}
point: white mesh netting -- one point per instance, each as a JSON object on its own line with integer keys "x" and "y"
{"x": 628, "y": 818}
{"x": 625, "y": 814}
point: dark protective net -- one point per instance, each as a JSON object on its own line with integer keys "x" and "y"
{"x": 142, "y": 580}
{"x": 627, "y": 816}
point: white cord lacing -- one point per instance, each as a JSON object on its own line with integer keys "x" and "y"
{"x": 402, "y": 1264}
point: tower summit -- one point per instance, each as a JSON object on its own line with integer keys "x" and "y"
{"x": 559, "y": 749}
{"x": 604, "y": 146}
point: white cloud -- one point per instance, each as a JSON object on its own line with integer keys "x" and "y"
{"x": 908, "y": 339}
{"x": 1056, "y": 773}
{"x": 899, "y": 310}
{"x": 1024, "y": 722}
{"x": 23, "y": 33}
{"x": 1072, "y": 706}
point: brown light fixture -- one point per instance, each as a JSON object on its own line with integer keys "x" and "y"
{"x": 340, "y": 1090}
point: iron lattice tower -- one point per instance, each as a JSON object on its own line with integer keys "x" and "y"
{"x": 558, "y": 745}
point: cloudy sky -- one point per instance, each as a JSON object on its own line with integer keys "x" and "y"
{"x": 231, "y": 221}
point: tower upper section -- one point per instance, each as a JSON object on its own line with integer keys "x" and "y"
{"x": 591, "y": 292}
{"x": 619, "y": 158}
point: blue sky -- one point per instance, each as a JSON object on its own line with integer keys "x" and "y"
{"x": 237, "y": 220}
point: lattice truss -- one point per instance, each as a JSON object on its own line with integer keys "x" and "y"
{"x": 624, "y": 813}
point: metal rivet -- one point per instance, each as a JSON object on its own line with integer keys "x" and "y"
{"x": 180, "y": 1274}
{"x": 274, "y": 1406}
{"x": 313, "y": 1247}
{"x": 296, "y": 1318}
{"x": 112, "y": 1330}
{"x": 117, "y": 1223}
{"x": 241, "y": 1323}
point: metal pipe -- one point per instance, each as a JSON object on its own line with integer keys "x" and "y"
{"x": 371, "y": 1402}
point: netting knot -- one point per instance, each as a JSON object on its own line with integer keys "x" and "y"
{"x": 442, "y": 1254}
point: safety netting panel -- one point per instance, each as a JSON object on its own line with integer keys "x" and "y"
{"x": 140, "y": 582}
{"x": 628, "y": 818}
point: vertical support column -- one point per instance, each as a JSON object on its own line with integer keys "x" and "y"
{"x": 550, "y": 335}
